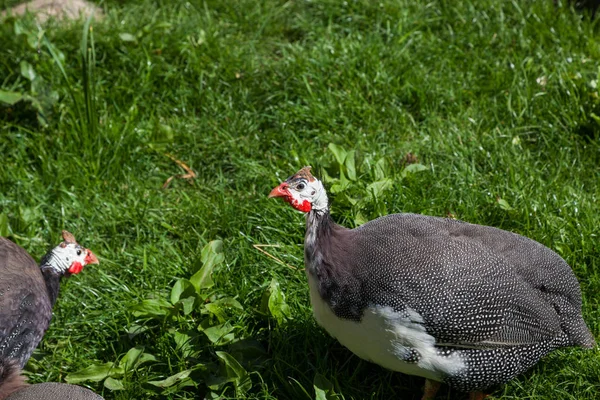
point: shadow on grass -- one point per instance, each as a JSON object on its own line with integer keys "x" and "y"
{"x": 300, "y": 350}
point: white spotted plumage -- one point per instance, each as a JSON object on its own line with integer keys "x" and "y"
{"x": 465, "y": 304}
{"x": 383, "y": 336}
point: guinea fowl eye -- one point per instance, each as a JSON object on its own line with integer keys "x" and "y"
{"x": 300, "y": 186}
{"x": 78, "y": 252}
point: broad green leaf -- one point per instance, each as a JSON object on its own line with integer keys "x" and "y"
{"x": 341, "y": 184}
{"x": 217, "y": 310}
{"x": 323, "y": 388}
{"x": 248, "y": 351}
{"x": 228, "y": 302}
{"x": 165, "y": 133}
{"x": 182, "y": 341}
{"x": 380, "y": 169}
{"x": 29, "y": 215}
{"x": 135, "y": 357}
{"x": 377, "y": 188}
{"x": 351, "y": 200}
{"x": 236, "y": 369}
{"x": 136, "y": 329}
{"x": 411, "y": 169}
{"x": 57, "y": 55}
{"x": 504, "y": 205}
{"x": 242, "y": 380}
{"x": 4, "y": 229}
{"x": 127, "y": 37}
{"x": 219, "y": 334}
{"x": 180, "y": 286}
{"x": 220, "y": 307}
{"x": 212, "y": 254}
{"x": 278, "y": 308}
{"x": 216, "y": 382}
{"x": 162, "y": 25}
{"x": 130, "y": 359}
{"x": 144, "y": 358}
{"x": 162, "y": 135}
{"x": 27, "y": 71}
{"x": 10, "y": 98}
{"x": 339, "y": 153}
{"x": 188, "y": 304}
{"x": 326, "y": 178}
{"x": 21, "y": 28}
{"x": 113, "y": 384}
{"x": 360, "y": 219}
{"x": 94, "y": 373}
{"x": 151, "y": 307}
{"x": 350, "y": 165}
{"x": 172, "y": 380}
{"x": 212, "y": 395}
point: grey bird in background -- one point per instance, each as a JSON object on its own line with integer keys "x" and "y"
{"x": 28, "y": 292}
{"x": 54, "y": 391}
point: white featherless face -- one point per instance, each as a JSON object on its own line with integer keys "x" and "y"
{"x": 69, "y": 257}
{"x": 303, "y": 191}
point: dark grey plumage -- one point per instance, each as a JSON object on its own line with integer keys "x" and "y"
{"x": 54, "y": 391}
{"x": 503, "y": 296}
{"x": 510, "y": 288}
{"x": 28, "y": 292}
{"x": 489, "y": 302}
{"x": 26, "y": 301}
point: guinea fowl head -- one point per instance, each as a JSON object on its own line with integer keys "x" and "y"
{"x": 303, "y": 191}
{"x": 69, "y": 257}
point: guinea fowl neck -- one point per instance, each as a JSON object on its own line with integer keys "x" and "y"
{"x": 51, "y": 277}
{"x": 52, "y": 280}
{"x": 319, "y": 227}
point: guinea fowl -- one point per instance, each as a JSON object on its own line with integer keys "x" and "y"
{"x": 53, "y": 391}
{"x": 28, "y": 292}
{"x": 468, "y": 305}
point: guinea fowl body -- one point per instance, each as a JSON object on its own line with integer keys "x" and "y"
{"x": 26, "y": 301}
{"x": 466, "y": 304}
{"x": 28, "y": 292}
{"x": 469, "y": 305}
{"x": 54, "y": 391}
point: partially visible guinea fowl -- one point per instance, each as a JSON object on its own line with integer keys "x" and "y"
{"x": 53, "y": 391}
{"x": 469, "y": 305}
{"x": 28, "y": 292}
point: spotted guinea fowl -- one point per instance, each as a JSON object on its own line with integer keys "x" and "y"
{"x": 53, "y": 391}
{"x": 468, "y": 305}
{"x": 28, "y": 292}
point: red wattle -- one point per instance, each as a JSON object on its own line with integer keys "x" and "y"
{"x": 76, "y": 267}
{"x": 305, "y": 206}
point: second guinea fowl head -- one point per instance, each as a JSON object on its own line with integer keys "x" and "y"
{"x": 69, "y": 257}
{"x": 303, "y": 191}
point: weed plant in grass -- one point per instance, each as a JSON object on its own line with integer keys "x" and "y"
{"x": 497, "y": 100}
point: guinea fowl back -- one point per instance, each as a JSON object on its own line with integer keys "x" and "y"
{"x": 54, "y": 391}
{"x": 428, "y": 274}
{"x": 443, "y": 259}
{"x": 25, "y": 309}
{"x": 546, "y": 272}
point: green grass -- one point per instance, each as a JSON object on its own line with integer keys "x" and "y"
{"x": 498, "y": 100}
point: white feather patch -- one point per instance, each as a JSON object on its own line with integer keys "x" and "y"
{"x": 385, "y": 337}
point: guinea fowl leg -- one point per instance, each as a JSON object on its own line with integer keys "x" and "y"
{"x": 477, "y": 396}
{"x": 431, "y": 388}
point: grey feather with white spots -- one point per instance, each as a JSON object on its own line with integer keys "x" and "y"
{"x": 499, "y": 300}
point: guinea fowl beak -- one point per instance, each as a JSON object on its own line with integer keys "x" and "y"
{"x": 90, "y": 258}
{"x": 280, "y": 191}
